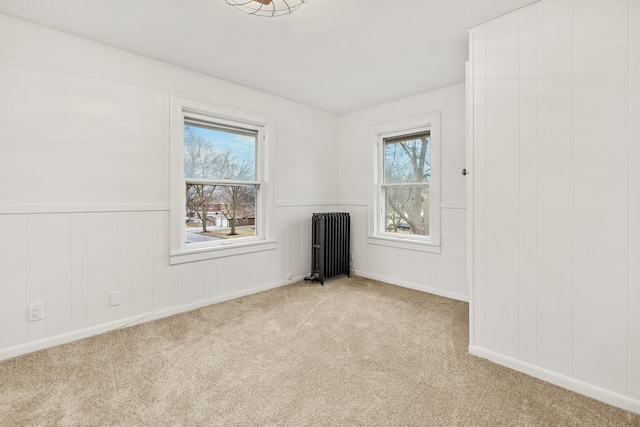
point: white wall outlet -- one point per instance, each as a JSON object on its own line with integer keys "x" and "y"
{"x": 289, "y": 276}
{"x": 369, "y": 257}
{"x": 114, "y": 298}
{"x": 35, "y": 312}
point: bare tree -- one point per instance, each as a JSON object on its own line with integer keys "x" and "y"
{"x": 236, "y": 197}
{"x": 405, "y": 162}
{"x": 200, "y": 161}
{"x": 199, "y": 197}
{"x": 394, "y": 221}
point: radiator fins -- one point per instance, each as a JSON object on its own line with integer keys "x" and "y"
{"x": 330, "y": 244}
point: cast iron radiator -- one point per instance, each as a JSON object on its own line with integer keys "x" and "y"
{"x": 330, "y": 243}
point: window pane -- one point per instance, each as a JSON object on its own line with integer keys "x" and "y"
{"x": 219, "y": 153}
{"x": 407, "y": 210}
{"x": 215, "y": 212}
{"x": 407, "y": 158}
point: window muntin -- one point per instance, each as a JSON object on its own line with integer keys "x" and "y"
{"x": 221, "y": 181}
{"x": 405, "y": 186}
{"x": 407, "y": 158}
{"x": 202, "y": 193}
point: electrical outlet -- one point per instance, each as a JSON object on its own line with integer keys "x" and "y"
{"x": 35, "y": 312}
{"x": 114, "y": 298}
{"x": 289, "y": 276}
{"x": 369, "y": 257}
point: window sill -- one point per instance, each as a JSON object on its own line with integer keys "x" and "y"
{"x": 412, "y": 245}
{"x": 201, "y": 254}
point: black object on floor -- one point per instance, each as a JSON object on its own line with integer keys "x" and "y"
{"x": 330, "y": 246}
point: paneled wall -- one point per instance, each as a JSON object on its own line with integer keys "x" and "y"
{"x": 555, "y": 101}
{"x": 84, "y": 143}
{"x": 71, "y": 261}
{"x": 443, "y": 273}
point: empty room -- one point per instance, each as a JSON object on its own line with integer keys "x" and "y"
{"x": 319, "y": 212}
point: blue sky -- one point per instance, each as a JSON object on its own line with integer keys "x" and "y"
{"x": 241, "y": 146}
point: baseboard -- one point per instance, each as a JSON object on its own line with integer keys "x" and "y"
{"x": 409, "y": 285}
{"x": 42, "y": 344}
{"x": 203, "y": 303}
{"x": 30, "y": 347}
{"x": 603, "y": 395}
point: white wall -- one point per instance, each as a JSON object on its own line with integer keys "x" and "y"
{"x": 556, "y": 202}
{"x": 444, "y": 273}
{"x": 84, "y": 143}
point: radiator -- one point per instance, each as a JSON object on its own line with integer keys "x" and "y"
{"x": 330, "y": 244}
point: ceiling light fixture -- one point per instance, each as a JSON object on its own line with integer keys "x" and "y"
{"x": 268, "y": 8}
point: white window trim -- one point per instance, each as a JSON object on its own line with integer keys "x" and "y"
{"x": 179, "y": 252}
{"x": 428, "y": 122}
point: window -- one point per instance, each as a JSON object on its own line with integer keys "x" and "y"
{"x": 219, "y": 174}
{"x": 405, "y": 184}
{"x": 406, "y": 199}
{"x": 220, "y": 179}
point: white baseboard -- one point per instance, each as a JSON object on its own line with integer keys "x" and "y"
{"x": 603, "y": 395}
{"x": 203, "y": 303}
{"x": 30, "y": 347}
{"x": 402, "y": 283}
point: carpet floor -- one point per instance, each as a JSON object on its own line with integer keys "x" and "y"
{"x": 354, "y": 352}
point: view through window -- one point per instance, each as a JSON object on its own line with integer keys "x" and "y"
{"x": 221, "y": 182}
{"x": 405, "y": 187}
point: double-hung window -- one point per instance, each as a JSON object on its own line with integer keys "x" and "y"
{"x": 221, "y": 198}
{"x": 407, "y": 197}
{"x": 405, "y": 183}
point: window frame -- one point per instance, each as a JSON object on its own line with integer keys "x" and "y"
{"x": 185, "y": 108}
{"x": 377, "y": 235}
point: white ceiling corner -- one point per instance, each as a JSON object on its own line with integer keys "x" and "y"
{"x": 336, "y": 55}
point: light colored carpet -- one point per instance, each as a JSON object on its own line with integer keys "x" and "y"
{"x": 354, "y": 352}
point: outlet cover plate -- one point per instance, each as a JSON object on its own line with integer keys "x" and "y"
{"x": 35, "y": 312}
{"x": 114, "y": 298}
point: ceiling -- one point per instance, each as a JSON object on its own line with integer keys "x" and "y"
{"x": 336, "y": 55}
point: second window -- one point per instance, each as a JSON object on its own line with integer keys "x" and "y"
{"x": 405, "y": 186}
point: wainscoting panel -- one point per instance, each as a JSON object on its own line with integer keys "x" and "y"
{"x": 528, "y": 184}
{"x": 634, "y": 201}
{"x": 142, "y": 244}
{"x": 601, "y": 193}
{"x": 502, "y": 171}
{"x": 575, "y": 290}
{"x": 71, "y": 262}
{"x": 57, "y": 274}
{"x": 209, "y": 279}
{"x": 165, "y": 277}
{"x": 34, "y": 271}
{"x": 78, "y": 268}
{"x": 294, "y": 222}
{"x": 439, "y": 274}
{"x": 101, "y": 266}
{"x": 187, "y": 283}
{"x": 555, "y": 186}
{"x": 123, "y": 271}
{"x": 13, "y": 310}
{"x": 478, "y": 75}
